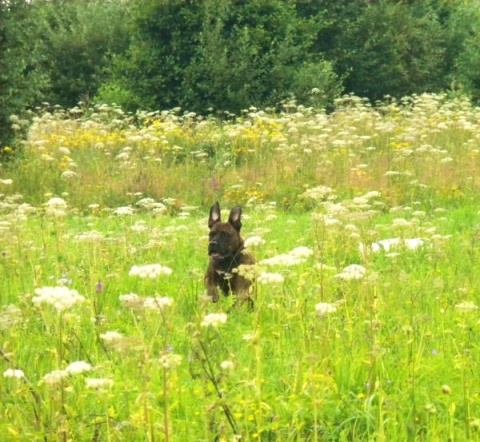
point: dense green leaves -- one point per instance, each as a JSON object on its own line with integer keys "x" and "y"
{"x": 22, "y": 81}
{"x": 83, "y": 36}
{"x": 227, "y": 55}
{"x": 393, "y": 49}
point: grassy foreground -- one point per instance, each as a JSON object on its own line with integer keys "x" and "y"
{"x": 105, "y": 330}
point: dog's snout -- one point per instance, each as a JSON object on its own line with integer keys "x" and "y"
{"x": 213, "y": 247}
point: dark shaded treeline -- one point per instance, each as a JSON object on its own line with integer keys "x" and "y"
{"x": 227, "y": 55}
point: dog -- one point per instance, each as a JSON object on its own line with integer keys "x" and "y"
{"x": 227, "y": 253}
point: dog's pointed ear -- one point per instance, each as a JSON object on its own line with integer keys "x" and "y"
{"x": 215, "y": 215}
{"x": 235, "y": 218}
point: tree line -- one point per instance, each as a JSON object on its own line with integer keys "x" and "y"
{"x": 227, "y": 55}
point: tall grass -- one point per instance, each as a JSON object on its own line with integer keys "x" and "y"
{"x": 423, "y": 147}
{"x": 349, "y": 339}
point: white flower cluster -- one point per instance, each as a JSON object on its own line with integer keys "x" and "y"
{"x": 75, "y": 368}
{"x": 301, "y": 252}
{"x": 254, "y": 241}
{"x": 227, "y": 365}
{"x": 13, "y": 373}
{"x": 296, "y": 256}
{"x": 91, "y": 236}
{"x": 56, "y": 203}
{"x": 170, "y": 360}
{"x": 157, "y": 303}
{"x": 325, "y": 308}
{"x": 151, "y": 204}
{"x": 54, "y": 377}
{"x": 139, "y": 226}
{"x": 136, "y": 302}
{"x": 131, "y": 300}
{"x": 124, "y": 211}
{"x": 150, "y": 271}
{"x": 386, "y": 245}
{"x": 112, "y": 337}
{"x": 68, "y": 174}
{"x": 10, "y": 316}
{"x": 364, "y": 200}
{"x": 466, "y": 306}
{"x": 56, "y": 207}
{"x": 214, "y": 320}
{"x": 353, "y": 271}
{"x": 98, "y": 384}
{"x": 60, "y": 297}
{"x": 318, "y": 193}
{"x": 270, "y": 278}
{"x": 78, "y": 367}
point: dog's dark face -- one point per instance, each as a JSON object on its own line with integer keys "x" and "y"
{"x": 224, "y": 238}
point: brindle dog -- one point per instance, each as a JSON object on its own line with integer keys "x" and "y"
{"x": 226, "y": 251}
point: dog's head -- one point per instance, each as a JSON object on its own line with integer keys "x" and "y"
{"x": 224, "y": 238}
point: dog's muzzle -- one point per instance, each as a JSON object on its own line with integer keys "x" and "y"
{"x": 214, "y": 252}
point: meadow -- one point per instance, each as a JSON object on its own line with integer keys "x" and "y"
{"x": 365, "y": 225}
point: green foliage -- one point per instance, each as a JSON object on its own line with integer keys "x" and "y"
{"x": 224, "y": 55}
{"x": 392, "y": 49}
{"x": 316, "y": 84}
{"x": 82, "y": 37}
{"x": 464, "y": 32}
{"x": 256, "y": 52}
{"x": 150, "y": 75}
{"x": 22, "y": 81}
{"x": 54, "y": 51}
{"x": 229, "y": 55}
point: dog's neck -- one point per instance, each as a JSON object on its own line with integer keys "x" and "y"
{"x": 230, "y": 262}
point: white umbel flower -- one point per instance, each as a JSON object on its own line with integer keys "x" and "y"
{"x": 158, "y": 303}
{"x": 214, "y": 320}
{"x": 270, "y": 278}
{"x": 325, "y": 308}
{"x": 98, "y": 383}
{"x": 60, "y": 297}
{"x": 150, "y": 271}
{"x": 353, "y": 271}
{"x": 78, "y": 367}
{"x": 254, "y": 241}
{"x": 13, "y": 373}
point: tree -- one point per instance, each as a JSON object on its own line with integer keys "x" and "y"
{"x": 22, "y": 80}
{"x": 150, "y": 74}
{"x": 82, "y": 37}
{"x": 392, "y": 48}
{"x": 463, "y": 24}
{"x": 225, "y": 54}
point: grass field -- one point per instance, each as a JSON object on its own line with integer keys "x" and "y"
{"x": 365, "y": 223}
